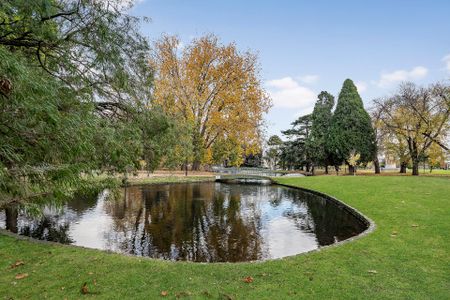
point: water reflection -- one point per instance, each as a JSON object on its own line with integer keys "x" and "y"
{"x": 203, "y": 222}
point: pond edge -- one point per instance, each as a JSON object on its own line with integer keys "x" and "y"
{"x": 371, "y": 226}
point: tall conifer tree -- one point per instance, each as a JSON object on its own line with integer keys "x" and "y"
{"x": 351, "y": 131}
{"x": 321, "y": 122}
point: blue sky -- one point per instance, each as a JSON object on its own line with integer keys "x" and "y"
{"x": 305, "y": 47}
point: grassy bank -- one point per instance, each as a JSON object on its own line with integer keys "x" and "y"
{"x": 408, "y": 256}
{"x": 168, "y": 179}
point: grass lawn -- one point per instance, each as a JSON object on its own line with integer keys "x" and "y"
{"x": 168, "y": 179}
{"x": 407, "y": 257}
{"x": 389, "y": 172}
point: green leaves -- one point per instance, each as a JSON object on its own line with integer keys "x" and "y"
{"x": 294, "y": 153}
{"x": 75, "y": 96}
{"x": 321, "y": 122}
{"x": 351, "y": 128}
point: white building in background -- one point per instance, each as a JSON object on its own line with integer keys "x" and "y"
{"x": 447, "y": 161}
{"x": 389, "y": 161}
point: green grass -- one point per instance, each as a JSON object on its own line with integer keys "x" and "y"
{"x": 168, "y": 179}
{"x": 414, "y": 263}
{"x": 436, "y": 172}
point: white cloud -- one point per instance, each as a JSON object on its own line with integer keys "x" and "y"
{"x": 288, "y": 93}
{"x": 361, "y": 86}
{"x": 283, "y": 83}
{"x": 308, "y": 79}
{"x": 303, "y": 112}
{"x": 446, "y": 60}
{"x": 388, "y": 79}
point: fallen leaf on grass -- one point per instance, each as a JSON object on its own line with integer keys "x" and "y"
{"x": 372, "y": 271}
{"x": 183, "y": 294}
{"x": 414, "y": 225}
{"x": 248, "y": 279}
{"x": 17, "y": 264}
{"x": 21, "y": 275}
{"x": 164, "y": 293}
{"x": 84, "y": 289}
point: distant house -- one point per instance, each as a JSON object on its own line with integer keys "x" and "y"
{"x": 447, "y": 161}
{"x": 389, "y": 162}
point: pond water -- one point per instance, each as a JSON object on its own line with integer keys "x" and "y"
{"x": 201, "y": 222}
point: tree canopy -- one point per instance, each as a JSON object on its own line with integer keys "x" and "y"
{"x": 351, "y": 131}
{"x": 213, "y": 87}
{"x": 417, "y": 118}
{"x": 294, "y": 152}
{"x": 74, "y": 96}
{"x": 94, "y": 47}
{"x": 321, "y": 122}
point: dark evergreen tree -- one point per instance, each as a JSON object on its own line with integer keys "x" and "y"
{"x": 294, "y": 152}
{"x": 273, "y": 152}
{"x": 351, "y": 129}
{"x": 321, "y": 122}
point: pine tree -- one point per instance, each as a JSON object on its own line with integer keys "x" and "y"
{"x": 351, "y": 131}
{"x": 321, "y": 122}
{"x": 294, "y": 151}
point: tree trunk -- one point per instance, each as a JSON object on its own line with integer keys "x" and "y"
{"x": 376, "y": 163}
{"x": 337, "y": 169}
{"x": 403, "y": 166}
{"x": 312, "y": 170}
{"x": 195, "y": 165}
{"x": 351, "y": 170}
{"x": 326, "y": 170}
{"x": 412, "y": 145}
{"x": 415, "y": 168}
{"x": 12, "y": 215}
{"x": 198, "y": 149}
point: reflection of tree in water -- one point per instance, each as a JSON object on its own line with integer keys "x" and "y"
{"x": 47, "y": 228}
{"x": 49, "y": 220}
{"x": 328, "y": 222}
{"x": 82, "y": 202}
{"x": 274, "y": 195}
{"x": 187, "y": 222}
{"x": 299, "y": 211}
{"x": 197, "y": 222}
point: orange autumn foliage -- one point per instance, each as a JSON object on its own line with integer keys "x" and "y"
{"x": 214, "y": 88}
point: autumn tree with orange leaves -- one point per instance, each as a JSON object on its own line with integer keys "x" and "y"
{"x": 214, "y": 88}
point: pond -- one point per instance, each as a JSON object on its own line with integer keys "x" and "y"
{"x": 201, "y": 222}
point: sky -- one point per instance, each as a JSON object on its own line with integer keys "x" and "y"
{"x": 305, "y": 47}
